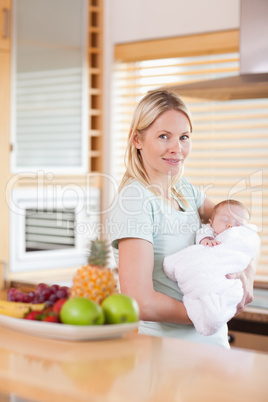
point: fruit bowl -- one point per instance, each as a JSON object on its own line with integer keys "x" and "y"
{"x": 67, "y": 332}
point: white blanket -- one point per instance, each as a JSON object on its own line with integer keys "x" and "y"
{"x": 209, "y": 297}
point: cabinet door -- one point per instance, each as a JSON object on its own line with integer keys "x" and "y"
{"x": 5, "y": 21}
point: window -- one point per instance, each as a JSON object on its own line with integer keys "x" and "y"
{"x": 50, "y": 105}
{"x": 230, "y": 139}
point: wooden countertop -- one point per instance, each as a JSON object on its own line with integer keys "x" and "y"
{"x": 254, "y": 314}
{"x": 132, "y": 368}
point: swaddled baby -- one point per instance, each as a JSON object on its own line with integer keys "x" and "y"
{"x": 209, "y": 297}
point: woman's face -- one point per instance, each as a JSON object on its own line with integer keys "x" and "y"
{"x": 165, "y": 145}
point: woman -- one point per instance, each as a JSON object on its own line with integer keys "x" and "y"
{"x": 156, "y": 213}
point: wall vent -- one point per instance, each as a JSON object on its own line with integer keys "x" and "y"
{"x": 52, "y": 231}
{"x": 49, "y": 229}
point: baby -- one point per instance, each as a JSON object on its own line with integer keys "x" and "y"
{"x": 230, "y": 243}
{"x": 225, "y": 215}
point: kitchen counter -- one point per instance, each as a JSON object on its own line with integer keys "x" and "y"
{"x": 249, "y": 329}
{"x": 132, "y": 368}
{"x": 254, "y": 314}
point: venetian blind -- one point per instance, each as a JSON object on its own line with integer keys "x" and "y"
{"x": 230, "y": 138}
{"x": 50, "y": 105}
{"x": 49, "y": 229}
{"x": 48, "y": 123}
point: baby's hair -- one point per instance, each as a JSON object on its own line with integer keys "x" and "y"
{"x": 229, "y": 202}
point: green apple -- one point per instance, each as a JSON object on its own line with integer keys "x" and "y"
{"x": 120, "y": 309}
{"x": 81, "y": 311}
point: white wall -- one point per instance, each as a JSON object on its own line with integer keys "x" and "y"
{"x": 137, "y": 20}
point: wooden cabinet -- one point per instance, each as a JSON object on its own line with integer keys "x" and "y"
{"x": 95, "y": 60}
{"x": 95, "y": 39}
{"x": 244, "y": 340}
{"x": 249, "y": 330}
{"x": 5, "y": 24}
{"x": 5, "y": 20}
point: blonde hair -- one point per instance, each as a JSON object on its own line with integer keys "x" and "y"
{"x": 147, "y": 111}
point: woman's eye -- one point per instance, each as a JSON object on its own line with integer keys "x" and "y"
{"x": 163, "y": 136}
{"x": 184, "y": 137}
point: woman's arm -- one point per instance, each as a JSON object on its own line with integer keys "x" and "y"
{"x": 205, "y": 211}
{"x": 136, "y": 262}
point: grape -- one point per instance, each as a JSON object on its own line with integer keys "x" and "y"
{"x": 54, "y": 288}
{"x": 67, "y": 290}
{"x": 31, "y": 295}
{"x": 43, "y": 293}
{"x": 11, "y": 294}
{"x": 25, "y": 298}
{"x": 46, "y": 293}
{"x": 52, "y": 298}
{"x": 12, "y": 291}
{"x": 19, "y": 297}
{"x": 41, "y": 298}
{"x": 36, "y": 299}
{"x": 61, "y": 293}
{"x": 40, "y": 287}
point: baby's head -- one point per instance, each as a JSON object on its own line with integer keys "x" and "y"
{"x": 227, "y": 214}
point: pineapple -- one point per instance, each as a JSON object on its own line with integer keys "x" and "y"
{"x": 95, "y": 281}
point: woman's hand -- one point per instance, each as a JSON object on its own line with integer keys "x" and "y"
{"x": 247, "y": 279}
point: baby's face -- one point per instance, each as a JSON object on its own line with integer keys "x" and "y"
{"x": 228, "y": 216}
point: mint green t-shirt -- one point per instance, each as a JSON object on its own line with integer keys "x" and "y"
{"x": 139, "y": 213}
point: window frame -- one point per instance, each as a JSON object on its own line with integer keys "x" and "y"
{"x": 194, "y": 45}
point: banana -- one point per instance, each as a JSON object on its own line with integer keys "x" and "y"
{"x": 17, "y": 309}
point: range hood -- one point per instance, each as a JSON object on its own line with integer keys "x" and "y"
{"x": 252, "y": 82}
